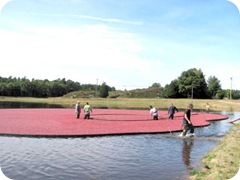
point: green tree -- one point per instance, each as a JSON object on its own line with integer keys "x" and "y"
{"x": 156, "y": 85}
{"x": 220, "y": 94}
{"x": 192, "y": 83}
{"x": 214, "y": 87}
{"x": 36, "y": 88}
{"x": 236, "y": 94}
{"x": 72, "y": 86}
{"x": 104, "y": 90}
{"x": 172, "y": 90}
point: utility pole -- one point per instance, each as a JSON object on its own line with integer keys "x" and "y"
{"x": 231, "y": 89}
{"x": 97, "y": 86}
{"x": 192, "y": 92}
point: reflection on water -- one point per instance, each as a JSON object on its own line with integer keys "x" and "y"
{"x": 117, "y": 157}
{"x": 187, "y": 148}
{"x": 6, "y": 104}
{"x": 133, "y": 157}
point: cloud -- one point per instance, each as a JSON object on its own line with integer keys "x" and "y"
{"x": 110, "y": 20}
{"x": 82, "y": 54}
{"x": 87, "y": 17}
{"x": 120, "y": 51}
{"x": 222, "y": 69}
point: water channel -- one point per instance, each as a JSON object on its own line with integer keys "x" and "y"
{"x": 155, "y": 157}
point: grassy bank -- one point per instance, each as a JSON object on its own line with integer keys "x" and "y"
{"x": 222, "y": 162}
{"x": 126, "y": 103}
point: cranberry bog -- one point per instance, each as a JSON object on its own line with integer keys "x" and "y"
{"x": 59, "y": 122}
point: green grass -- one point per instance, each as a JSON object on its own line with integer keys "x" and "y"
{"x": 222, "y": 162}
{"x": 134, "y": 103}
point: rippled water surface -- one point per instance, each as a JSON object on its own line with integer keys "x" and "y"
{"x": 158, "y": 156}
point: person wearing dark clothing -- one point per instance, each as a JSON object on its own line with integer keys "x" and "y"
{"x": 187, "y": 124}
{"x": 171, "y": 111}
{"x": 186, "y": 152}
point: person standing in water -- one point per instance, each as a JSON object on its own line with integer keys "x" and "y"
{"x": 187, "y": 123}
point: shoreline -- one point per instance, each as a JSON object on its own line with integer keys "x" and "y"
{"x": 222, "y": 162}
{"x": 133, "y": 103}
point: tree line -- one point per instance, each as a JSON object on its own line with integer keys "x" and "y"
{"x": 23, "y": 87}
{"x": 190, "y": 84}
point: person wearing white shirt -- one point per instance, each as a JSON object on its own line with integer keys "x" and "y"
{"x": 153, "y": 112}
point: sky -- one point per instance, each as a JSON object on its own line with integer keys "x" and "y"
{"x": 127, "y": 44}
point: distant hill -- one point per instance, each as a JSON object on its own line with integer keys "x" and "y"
{"x": 151, "y": 92}
{"x": 81, "y": 94}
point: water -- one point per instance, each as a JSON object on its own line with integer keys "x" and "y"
{"x": 155, "y": 156}
{"x": 116, "y": 157}
{"x": 7, "y": 104}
